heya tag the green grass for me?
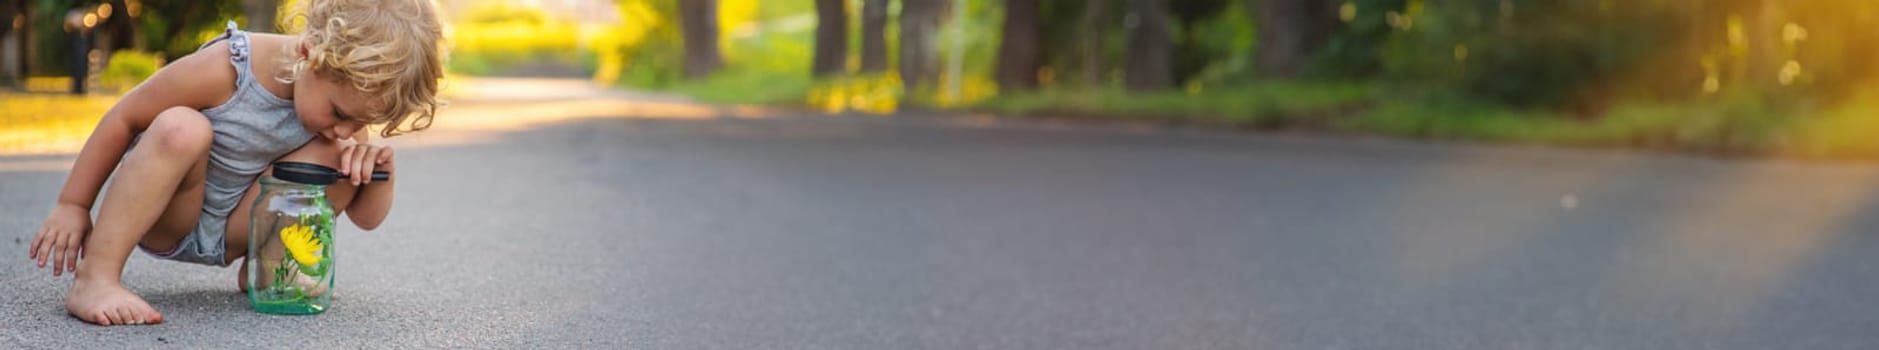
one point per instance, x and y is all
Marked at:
(748, 86)
(1271, 104)
(1627, 125)
(1733, 124)
(771, 69)
(1722, 125)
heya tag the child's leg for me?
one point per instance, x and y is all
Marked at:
(320, 151)
(169, 158)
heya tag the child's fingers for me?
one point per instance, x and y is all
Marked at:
(71, 255)
(32, 250)
(365, 171)
(348, 157)
(58, 247)
(362, 169)
(369, 161)
(344, 155)
(43, 252)
(345, 161)
(384, 155)
(45, 247)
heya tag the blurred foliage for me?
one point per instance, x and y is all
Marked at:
(1581, 55)
(1725, 75)
(48, 123)
(170, 28)
(128, 68)
(1264, 104)
(747, 85)
(1538, 54)
(496, 37)
(648, 49)
(877, 93)
(1221, 47)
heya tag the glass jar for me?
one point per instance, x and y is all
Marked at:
(290, 244)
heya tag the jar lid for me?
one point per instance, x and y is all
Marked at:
(315, 174)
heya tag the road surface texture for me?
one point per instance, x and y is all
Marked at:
(569, 219)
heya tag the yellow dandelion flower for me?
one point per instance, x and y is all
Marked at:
(302, 244)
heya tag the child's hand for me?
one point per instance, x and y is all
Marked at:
(62, 238)
(360, 159)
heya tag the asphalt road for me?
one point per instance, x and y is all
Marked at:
(719, 228)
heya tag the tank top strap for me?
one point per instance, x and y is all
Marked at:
(238, 51)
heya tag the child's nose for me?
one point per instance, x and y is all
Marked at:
(344, 130)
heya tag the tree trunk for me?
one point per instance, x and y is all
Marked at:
(874, 36)
(1150, 63)
(8, 10)
(1095, 22)
(123, 29)
(919, 47)
(699, 25)
(1290, 31)
(12, 42)
(1765, 59)
(261, 15)
(831, 54)
(1019, 53)
(185, 13)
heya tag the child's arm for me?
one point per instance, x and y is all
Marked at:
(189, 82)
(195, 81)
(372, 203)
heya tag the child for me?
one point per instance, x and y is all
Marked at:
(196, 136)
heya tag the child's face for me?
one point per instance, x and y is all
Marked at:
(330, 109)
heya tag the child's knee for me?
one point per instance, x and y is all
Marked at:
(179, 130)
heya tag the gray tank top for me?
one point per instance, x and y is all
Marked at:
(252, 129)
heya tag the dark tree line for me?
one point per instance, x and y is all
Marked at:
(1066, 38)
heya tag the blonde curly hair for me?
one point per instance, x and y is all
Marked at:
(392, 49)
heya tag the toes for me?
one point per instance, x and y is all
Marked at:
(100, 318)
(151, 316)
(124, 316)
(135, 314)
(112, 317)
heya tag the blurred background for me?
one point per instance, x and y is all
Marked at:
(1763, 77)
(1042, 174)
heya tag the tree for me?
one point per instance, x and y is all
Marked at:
(699, 19)
(919, 54)
(176, 21)
(873, 35)
(1094, 25)
(831, 52)
(11, 11)
(1191, 54)
(261, 14)
(1290, 31)
(1765, 60)
(1020, 52)
(1149, 63)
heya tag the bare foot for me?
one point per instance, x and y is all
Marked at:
(241, 277)
(108, 303)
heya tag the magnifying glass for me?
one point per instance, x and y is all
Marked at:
(315, 174)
